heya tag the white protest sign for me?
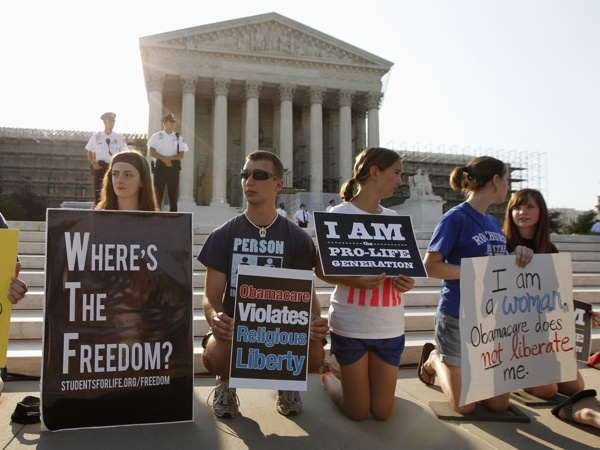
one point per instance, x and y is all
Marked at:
(517, 325)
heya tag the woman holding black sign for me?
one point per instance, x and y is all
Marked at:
(366, 314)
(465, 231)
(127, 184)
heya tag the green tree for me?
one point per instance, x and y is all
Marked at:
(582, 224)
(23, 205)
(555, 221)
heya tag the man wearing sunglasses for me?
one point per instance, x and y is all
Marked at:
(283, 244)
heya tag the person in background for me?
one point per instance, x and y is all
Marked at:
(302, 216)
(127, 184)
(282, 211)
(465, 231)
(168, 148)
(331, 205)
(596, 227)
(367, 337)
(272, 240)
(100, 148)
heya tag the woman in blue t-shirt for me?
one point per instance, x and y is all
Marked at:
(465, 231)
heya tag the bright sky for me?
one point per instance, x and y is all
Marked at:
(506, 77)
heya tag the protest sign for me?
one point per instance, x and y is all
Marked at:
(118, 346)
(367, 244)
(583, 329)
(9, 243)
(517, 325)
(272, 328)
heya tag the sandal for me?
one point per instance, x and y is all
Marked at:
(567, 405)
(425, 352)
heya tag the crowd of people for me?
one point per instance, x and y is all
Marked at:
(367, 338)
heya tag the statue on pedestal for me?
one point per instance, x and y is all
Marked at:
(419, 184)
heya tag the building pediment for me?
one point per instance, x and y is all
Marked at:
(269, 36)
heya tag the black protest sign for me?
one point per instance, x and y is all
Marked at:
(366, 244)
(118, 347)
(583, 329)
(272, 328)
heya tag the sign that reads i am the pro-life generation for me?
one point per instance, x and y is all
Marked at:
(118, 345)
(367, 244)
(517, 325)
(272, 328)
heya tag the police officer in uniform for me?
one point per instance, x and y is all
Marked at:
(167, 147)
(100, 148)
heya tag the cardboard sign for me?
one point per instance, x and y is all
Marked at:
(365, 244)
(9, 243)
(517, 325)
(272, 328)
(118, 347)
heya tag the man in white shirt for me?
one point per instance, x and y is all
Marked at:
(100, 148)
(168, 148)
(281, 210)
(302, 216)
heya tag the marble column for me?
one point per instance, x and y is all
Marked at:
(345, 138)
(252, 126)
(361, 129)
(154, 85)
(286, 130)
(373, 103)
(219, 154)
(188, 121)
(316, 139)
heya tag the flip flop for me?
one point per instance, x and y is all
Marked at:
(567, 405)
(425, 352)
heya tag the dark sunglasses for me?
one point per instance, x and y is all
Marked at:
(257, 174)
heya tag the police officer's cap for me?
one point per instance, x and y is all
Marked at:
(169, 117)
(108, 116)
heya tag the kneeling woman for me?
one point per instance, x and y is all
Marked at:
(366, 315)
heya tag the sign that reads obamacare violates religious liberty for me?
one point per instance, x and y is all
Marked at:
(118, 346)
(272, 328)
(367, 244)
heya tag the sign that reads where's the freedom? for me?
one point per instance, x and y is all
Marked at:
(118, 346)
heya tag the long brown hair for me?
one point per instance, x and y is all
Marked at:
(382, 158)
(146, 196)
(476, 174)
(541, 238)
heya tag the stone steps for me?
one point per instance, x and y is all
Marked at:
(26, 329)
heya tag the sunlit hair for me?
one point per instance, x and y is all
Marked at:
(382, 158)
(263, 155)
(146, 196)
(541, 238)
(476, 174)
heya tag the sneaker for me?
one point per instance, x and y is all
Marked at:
(288, 403)
(225, 400)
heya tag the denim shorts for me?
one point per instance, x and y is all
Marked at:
(349, 350)
(447, 338)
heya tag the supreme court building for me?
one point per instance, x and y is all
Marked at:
(263, 82)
